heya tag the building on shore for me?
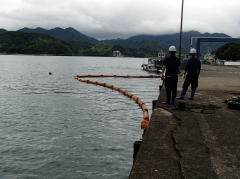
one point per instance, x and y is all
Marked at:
(117, 53)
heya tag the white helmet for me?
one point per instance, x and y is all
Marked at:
(172, 49)
(193, 51)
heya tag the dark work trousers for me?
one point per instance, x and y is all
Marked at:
(191, 79)
(171, 88)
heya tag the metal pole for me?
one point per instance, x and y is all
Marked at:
(180, 38)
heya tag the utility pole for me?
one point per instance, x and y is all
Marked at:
(180, 38)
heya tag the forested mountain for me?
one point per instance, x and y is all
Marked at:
(162, 42)
(68, 34)
(33, 43)
(148, 42)
(76, 43)
(2, 30)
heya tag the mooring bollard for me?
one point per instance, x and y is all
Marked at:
(136, 147)
(154, 102)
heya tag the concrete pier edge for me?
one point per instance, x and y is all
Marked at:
(198, 139)
(162, 159)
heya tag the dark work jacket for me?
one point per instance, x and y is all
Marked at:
(172, 64)
(193, 66)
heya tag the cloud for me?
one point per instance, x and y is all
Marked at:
(122, 18)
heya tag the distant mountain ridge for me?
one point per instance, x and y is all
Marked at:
(162, 42)
(68, 34)
(139, 45)
(150, 42)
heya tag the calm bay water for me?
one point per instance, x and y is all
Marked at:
(56, 127)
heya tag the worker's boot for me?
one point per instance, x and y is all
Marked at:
(192, 94)
(168, 96)
(184, 91)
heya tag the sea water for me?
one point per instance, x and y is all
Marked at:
(53, 126)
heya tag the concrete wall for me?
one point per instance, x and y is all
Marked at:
(232, 63)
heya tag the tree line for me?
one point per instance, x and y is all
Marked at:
(16, 42)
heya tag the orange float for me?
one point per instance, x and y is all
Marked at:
(134, 98)
(140, 103)
(145, 115)
(121, 90)
(144, 124)
(128, 94)
(145, 121)
(118, 89)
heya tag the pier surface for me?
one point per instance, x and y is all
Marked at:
(202, 141)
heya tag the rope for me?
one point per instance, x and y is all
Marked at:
(116, 76)
(145, 121)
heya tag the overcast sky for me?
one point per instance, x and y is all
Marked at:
(105, 19)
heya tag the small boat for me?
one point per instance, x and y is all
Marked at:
(154, 63)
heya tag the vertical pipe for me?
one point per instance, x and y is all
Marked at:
(191, 43)
(198, 48)
(180, 38)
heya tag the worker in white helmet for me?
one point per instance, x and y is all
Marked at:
(192, 70)
(171, 68)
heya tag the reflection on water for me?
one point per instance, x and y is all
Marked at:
(56, 127)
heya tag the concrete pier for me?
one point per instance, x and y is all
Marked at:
(199, 140)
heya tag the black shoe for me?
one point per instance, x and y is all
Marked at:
(191, 98)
